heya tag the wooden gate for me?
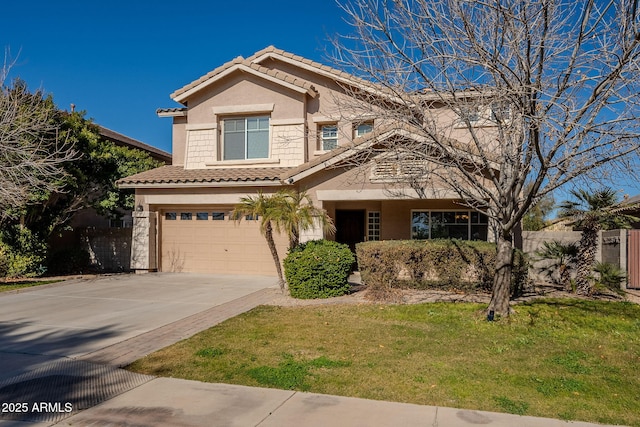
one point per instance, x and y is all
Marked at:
(633, 259)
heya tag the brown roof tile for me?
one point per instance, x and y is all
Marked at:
(180, 175)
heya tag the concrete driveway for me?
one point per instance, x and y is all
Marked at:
(64, 332)
(82, 316)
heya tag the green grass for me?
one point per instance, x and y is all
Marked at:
(10, 286)
(568, 359)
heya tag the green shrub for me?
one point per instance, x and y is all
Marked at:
(24, 252)
(443, 264)
(4, 261)
(318, 269)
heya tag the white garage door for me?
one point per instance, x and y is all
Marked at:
(205, 240)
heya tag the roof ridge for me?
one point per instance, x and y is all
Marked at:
(280, 75)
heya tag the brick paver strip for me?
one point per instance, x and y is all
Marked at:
(126, 352)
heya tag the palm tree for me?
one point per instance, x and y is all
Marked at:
(265, 209)
(298, 214)
(285, 211)
(590, 213)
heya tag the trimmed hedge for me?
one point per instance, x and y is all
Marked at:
(443, 264)
(318, 269)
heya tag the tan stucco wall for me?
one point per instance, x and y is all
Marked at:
(178, 141)
(245, 89)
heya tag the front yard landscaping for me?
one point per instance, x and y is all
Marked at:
(6, 286)
(561, 358)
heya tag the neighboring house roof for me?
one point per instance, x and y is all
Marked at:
(123, 140)
(631, 200)
(169, 175)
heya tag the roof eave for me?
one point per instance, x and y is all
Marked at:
(160, 113)
(209, 184)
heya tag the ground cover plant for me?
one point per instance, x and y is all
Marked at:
(568, 359)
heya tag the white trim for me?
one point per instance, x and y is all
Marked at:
(202, 126)
(286, 122)
(244, 109)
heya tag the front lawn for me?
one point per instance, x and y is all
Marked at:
(568, 359)
(10, 286)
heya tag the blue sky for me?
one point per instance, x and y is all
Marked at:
(119, 60)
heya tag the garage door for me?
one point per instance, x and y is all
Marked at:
(206, 240)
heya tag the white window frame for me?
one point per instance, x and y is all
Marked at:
(358, 132)
(322, 139)
(246, 136)
(373, 226)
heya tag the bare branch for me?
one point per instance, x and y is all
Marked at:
(31, 149)
(540, 93)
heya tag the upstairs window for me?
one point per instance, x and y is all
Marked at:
(363, 129)
(469, 113)
(246, 138)
(500, 111)
(328, 137)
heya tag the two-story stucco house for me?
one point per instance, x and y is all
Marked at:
(267, 122)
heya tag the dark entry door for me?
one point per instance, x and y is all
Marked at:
(350, 227)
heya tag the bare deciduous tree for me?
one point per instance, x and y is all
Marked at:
(31, 151)
(500, 101)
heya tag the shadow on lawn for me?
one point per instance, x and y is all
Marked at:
(591, 307)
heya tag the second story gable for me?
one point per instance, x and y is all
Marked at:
(273, 109)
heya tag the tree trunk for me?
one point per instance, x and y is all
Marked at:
(268, 234)
(586, 258)
(502, 280)
(294, 239)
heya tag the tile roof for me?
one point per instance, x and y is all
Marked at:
(343, 75)
(180, 175)
(175, 110)
(238, 62)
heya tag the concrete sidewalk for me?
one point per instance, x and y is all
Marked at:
(174, 402)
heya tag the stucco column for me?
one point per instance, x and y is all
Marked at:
(143, 242)
(315, 233)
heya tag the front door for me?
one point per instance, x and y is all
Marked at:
(350, 227)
